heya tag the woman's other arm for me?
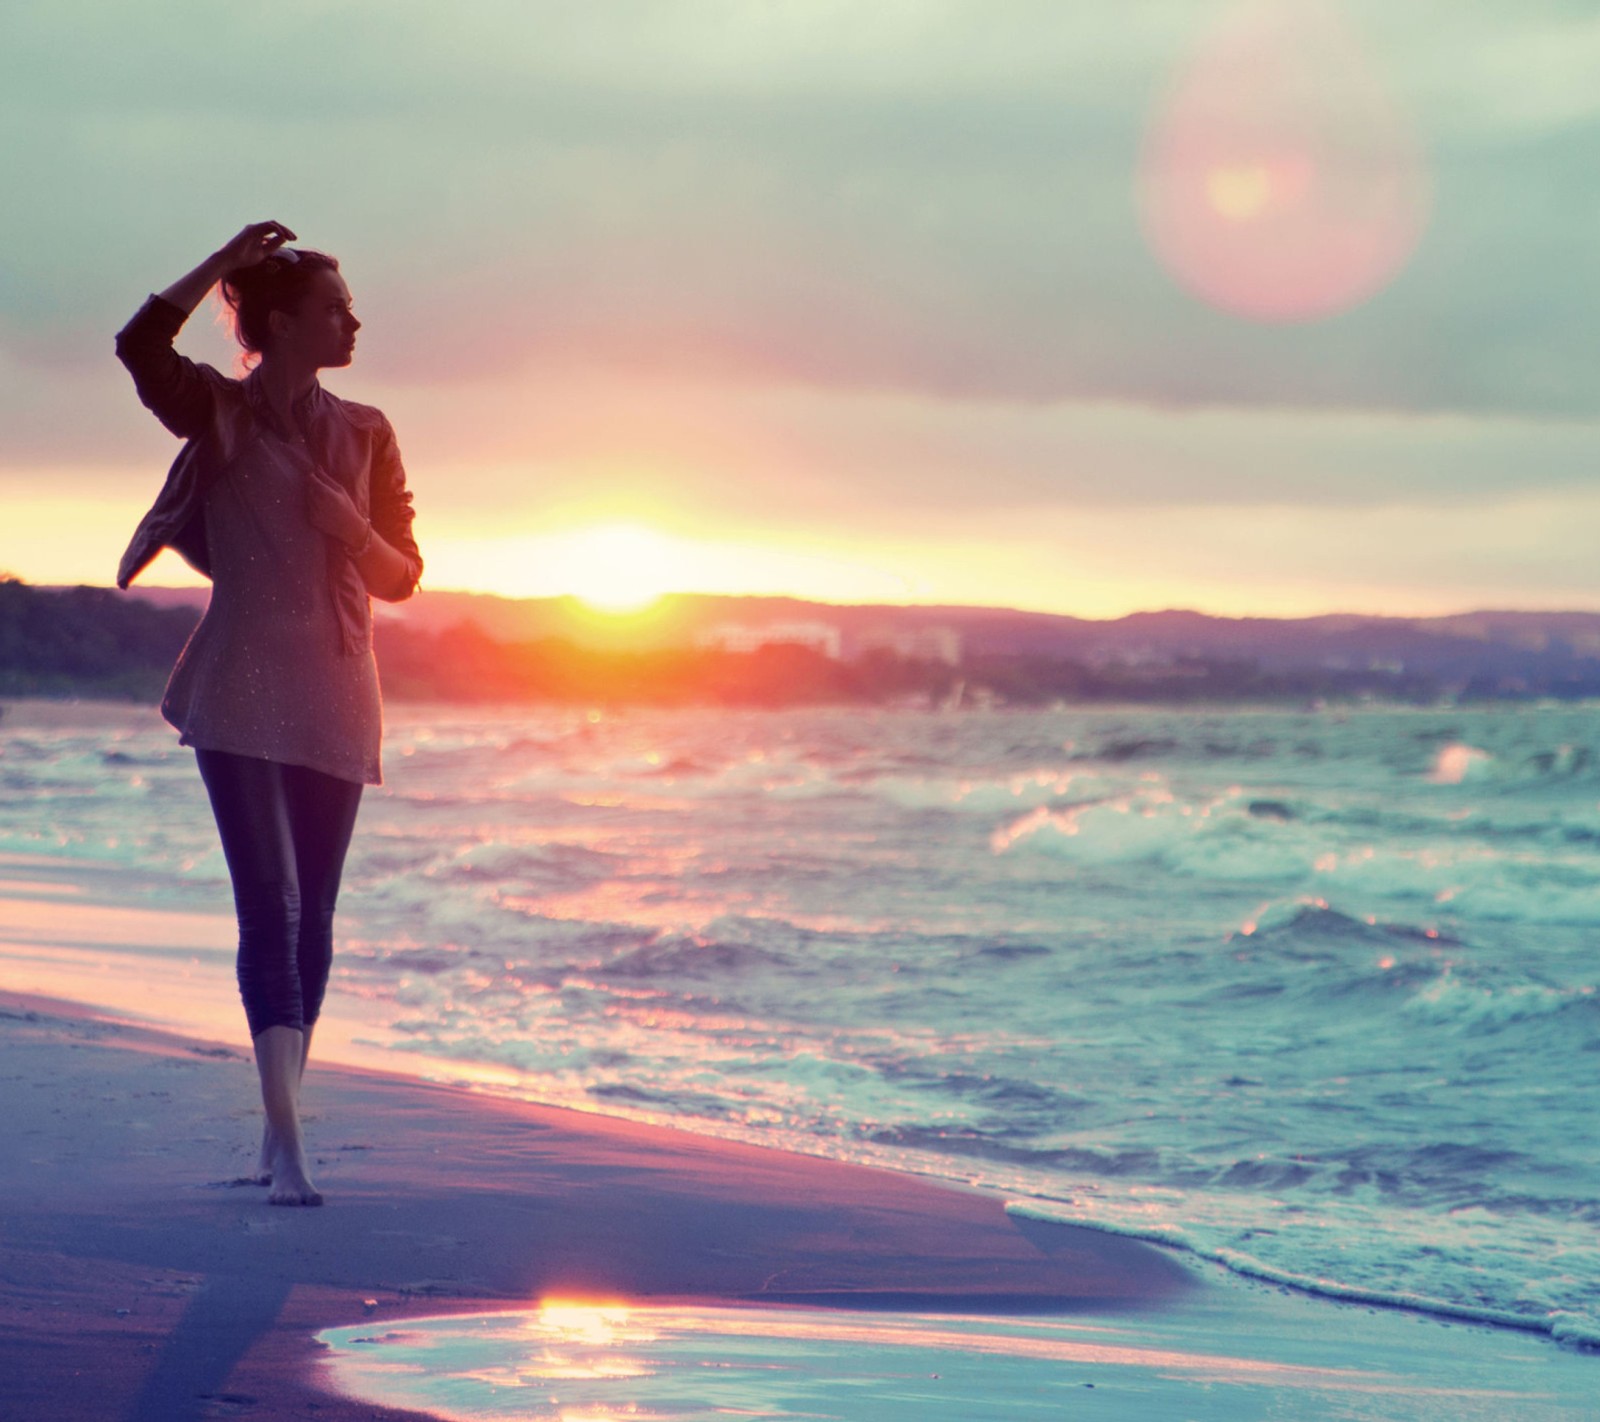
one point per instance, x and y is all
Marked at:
(382, 547)
(391, 522)
(385, 571)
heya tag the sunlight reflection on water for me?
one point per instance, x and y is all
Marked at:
(606, 1362)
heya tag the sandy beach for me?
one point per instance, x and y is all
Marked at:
(140, 1279)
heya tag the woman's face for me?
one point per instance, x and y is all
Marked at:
(321, 330)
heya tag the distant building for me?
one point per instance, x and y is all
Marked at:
(1140, 657)
(746, 637)
(924, 644)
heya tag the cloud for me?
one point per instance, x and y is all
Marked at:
(808, 260)
(912, 462)
(928, 198)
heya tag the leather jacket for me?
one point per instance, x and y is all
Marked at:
(219, 418)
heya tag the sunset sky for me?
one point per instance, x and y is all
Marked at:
(1276, 308)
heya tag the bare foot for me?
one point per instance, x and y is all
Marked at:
(264, 1161)
(280, 1058)
(291, 1180)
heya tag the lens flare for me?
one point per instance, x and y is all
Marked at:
(1280, 181)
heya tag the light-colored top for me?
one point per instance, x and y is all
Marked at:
(267, 673)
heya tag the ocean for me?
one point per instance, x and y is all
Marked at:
(1309, 994)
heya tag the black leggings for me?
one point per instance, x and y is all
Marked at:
(285, 830)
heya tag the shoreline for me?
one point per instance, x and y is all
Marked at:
(168, 1292)
(171, 1289)
(89, 925)
(138, 1281)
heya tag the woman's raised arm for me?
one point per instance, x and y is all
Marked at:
(254, 243)
(176, 390)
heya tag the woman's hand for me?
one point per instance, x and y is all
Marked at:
(383, 571)
(332, 511)
(254, 244)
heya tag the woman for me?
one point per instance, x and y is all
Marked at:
(294, 503)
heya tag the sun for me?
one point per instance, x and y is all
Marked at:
(620, 567)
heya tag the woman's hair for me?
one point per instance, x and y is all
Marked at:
(278, 283)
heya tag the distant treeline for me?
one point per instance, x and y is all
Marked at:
(94, 642)
(464, 664)
(86, 642)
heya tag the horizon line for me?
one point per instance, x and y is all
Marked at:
(592, 610)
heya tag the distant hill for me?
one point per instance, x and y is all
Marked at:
(702, 650)
(677, 618)
(86, 642)
(1499, 645)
